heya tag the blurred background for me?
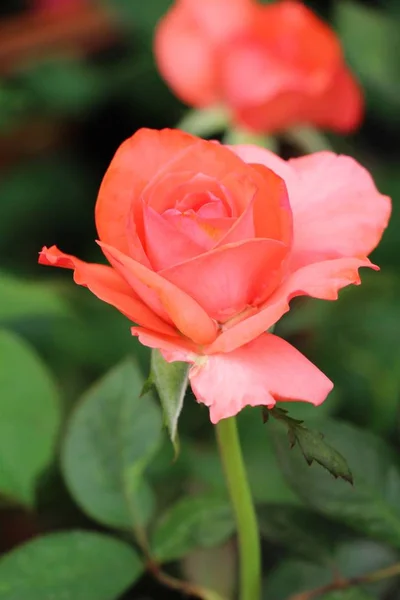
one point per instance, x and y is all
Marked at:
(77, 77)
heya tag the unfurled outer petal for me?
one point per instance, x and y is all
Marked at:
(105, 283)
(172, 348)
(258, 374)
(188, 316)
(337, 210)
(261, 373)
(319, 280)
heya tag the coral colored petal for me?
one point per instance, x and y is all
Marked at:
(135, 163)
(109, 286)
(261, 156)
(188, 316)
(220, 19)
(228, 279)
(337, 210)
(184, 190)
(252, 76)
(185, 58)
(172, 348)
(272, 211)
(292, 32)
(242, 229)
(319, 280)
(210, 159)
(165, 245)
(341, 107)
(266, 370)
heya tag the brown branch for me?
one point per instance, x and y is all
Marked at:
(185, 587)
(31, 35)
(342, 584)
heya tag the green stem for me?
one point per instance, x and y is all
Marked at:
(242, 502)
(308, 139)
(204, 122)
(239, 135)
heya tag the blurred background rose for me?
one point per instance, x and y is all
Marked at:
(77, 78)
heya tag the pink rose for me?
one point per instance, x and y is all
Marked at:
(207, 246)
(271, 66)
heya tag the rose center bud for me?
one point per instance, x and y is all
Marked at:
(202, 217)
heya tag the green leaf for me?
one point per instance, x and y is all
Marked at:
(313, 446)
(373, 505)
(112, 435)
(170, 380)
(192, 523)
(20, 298)
(77, 565)
(351, 559)
(30, 418)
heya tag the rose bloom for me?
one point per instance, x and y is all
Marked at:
(208, 244)
(272, 66)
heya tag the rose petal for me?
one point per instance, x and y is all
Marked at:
(242, 228)
(165, 244)
(266, 370)
(337, 210)
(292, 32)
(319, 280)
(341, 107)
(236, 181)
(189, 317)
(210, 14)
(251, 154)
(109, 286)
(207, 233)
(185, 58)
(182, 189)
(212, 161)
(262, 372)
(272, 212)
(252, 76)
(226, 280)
(172, 348)
(135, 163)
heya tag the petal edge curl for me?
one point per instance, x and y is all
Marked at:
(105, 283)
